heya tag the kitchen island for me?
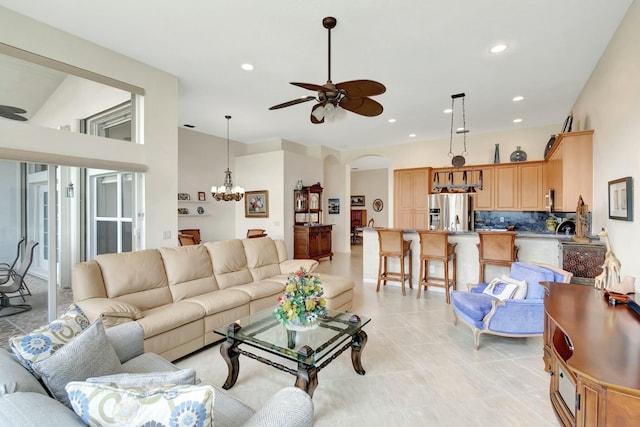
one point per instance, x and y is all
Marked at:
(533, 247)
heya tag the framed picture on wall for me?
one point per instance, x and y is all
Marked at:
(202, 196)
(357, 200)
(256, 204)
(334, 206)
(621, 199)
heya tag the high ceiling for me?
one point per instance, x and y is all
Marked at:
(423, 51)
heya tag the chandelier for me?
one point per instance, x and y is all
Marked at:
(227, 192)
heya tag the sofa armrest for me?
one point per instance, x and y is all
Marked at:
(112, 312)
(289, 407)
(127, 340)
(477, 289)
(291, 265)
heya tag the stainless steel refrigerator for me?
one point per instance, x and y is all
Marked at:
(450, 211)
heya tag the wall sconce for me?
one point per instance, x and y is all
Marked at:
(70, 191)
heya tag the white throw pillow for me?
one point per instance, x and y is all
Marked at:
(500, 289)
(521, 292)
(104, 405)
(43, 342)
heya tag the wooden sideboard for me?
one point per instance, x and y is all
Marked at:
(592, 352)
(312, 241)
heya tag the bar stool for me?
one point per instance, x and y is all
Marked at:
(435, 246)
(393, 245)
(496, 248)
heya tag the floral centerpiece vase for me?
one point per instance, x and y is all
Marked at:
(302, 305)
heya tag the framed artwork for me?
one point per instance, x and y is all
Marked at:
(357, 200)
(621, 199)
(334, 206)
(256, 204)
(202, 196)
(377, 205)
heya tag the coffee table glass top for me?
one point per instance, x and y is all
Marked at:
(263, 331)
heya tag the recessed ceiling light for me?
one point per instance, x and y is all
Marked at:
(499, 48)
(391, 120)
(247, 67)
(412, 135)
(517, 120)
(518, 98)
(447, 111)
(459, 129)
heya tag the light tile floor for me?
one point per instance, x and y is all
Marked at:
(421, 369)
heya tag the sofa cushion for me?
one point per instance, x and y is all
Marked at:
(104, 405)
(189, 271)
(44, 341)
(474, 305)
(137, 278)
(262, 258)
(262, 289)
(148, 362)
(229, 263)
(87, 355)
(13, 376)
(86, 281)
(533, 274)
(26, 409)
(334, 286)
(148, 379)
(221, 300)
(167, 317)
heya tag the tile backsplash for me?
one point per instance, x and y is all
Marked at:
(535, 222)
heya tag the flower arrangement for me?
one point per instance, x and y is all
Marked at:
(302, 302)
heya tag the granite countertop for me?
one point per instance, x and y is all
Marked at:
(522, 234)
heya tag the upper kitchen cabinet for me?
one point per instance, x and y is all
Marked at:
(530, 180)
(411, 187)
(511, 187)
(568, 170)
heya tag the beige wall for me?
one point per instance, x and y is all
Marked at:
(373, 184)
(610, 105)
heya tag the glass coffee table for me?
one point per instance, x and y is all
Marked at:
(312, 350)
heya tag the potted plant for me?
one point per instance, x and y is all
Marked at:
(302, 303)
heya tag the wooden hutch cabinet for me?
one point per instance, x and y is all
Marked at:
(311, 239)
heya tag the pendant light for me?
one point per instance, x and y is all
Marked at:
(459, 160)
(227, 191)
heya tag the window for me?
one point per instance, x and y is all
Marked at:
(112, 213)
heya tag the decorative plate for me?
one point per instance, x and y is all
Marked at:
(377, 205)
(200, 210)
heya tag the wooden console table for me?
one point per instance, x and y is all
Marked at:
(592, 352)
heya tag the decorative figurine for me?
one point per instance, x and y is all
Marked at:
(610, 276)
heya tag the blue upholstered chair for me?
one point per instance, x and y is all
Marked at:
(486, 314)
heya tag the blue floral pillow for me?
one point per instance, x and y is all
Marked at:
(178, 405)
(41, 343)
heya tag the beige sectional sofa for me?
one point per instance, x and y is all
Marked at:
(180, 295)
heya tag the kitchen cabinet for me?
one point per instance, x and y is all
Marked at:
(411, 187)
(484, 199)
(312, 241)
(569, 170)
(506, 184)
(530, 186)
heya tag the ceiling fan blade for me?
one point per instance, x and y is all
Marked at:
(361, 88)
(310, 86)
(363, 106)
(13, 113)
(293, 102)
(313, 118)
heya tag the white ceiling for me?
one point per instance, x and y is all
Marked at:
(423, 51)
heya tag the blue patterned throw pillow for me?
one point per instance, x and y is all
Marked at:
(41, 343)
(178, 405)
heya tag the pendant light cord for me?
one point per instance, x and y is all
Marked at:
(228, 118)
(464, 125)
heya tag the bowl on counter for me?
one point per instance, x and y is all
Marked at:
(567, 227)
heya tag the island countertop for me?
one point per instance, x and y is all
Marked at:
(533, 247)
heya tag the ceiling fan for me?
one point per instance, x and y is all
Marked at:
(13, 113)
(351, 95)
